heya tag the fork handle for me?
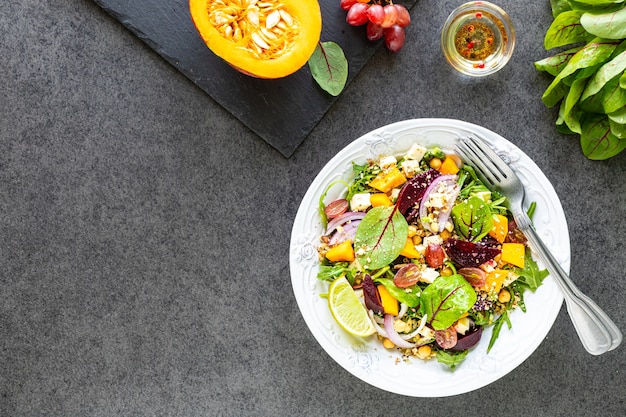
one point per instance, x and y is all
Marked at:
(595, 329)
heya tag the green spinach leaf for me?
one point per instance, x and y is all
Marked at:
(607, 72)
(380, 237)
(446, 300)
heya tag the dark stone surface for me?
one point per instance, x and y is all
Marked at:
(283, 111)
(144, 231)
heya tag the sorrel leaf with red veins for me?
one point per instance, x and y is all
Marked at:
(472, 219)
(380, 237)
(329, 67)
(446, 300)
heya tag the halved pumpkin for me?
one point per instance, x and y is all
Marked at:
(262, 38)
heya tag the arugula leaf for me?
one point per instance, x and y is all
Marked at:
(380, 237)
(446, 300)
(497, 326)
(452, 359)
(408, 296)
(329, 67)
(331, 272)
(364, 174)
(472, 219)
(531, 276)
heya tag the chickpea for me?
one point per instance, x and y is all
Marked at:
(412, 230)
(504, 296)
(446, 271)
(388, 344)
(435, 163)
(423, 352)
(445, 234)
(416, 239)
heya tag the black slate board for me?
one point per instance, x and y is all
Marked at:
(282, 112)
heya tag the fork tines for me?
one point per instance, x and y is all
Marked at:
(482, 158)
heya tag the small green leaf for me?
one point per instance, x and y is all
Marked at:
(531, 276)
(596, 6)
(559, 6)
(380, 237)
(606, 25)
(613, 97)
(606, 72)
(596, 139)
(618, 129)
(472, 219)
(565, 29)
(450, 358)
(555, 63)
(619, 116)
(408, 296)
(594, 53)
(446, 300)
(329, 67)
(571, 113)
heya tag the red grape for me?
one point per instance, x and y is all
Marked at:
(346, 4)
(394, 38)
(391, 16)
(357, 15)
(374, 32)
(404, 18)
(376, 14)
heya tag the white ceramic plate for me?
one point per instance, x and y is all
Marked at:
(366, 358)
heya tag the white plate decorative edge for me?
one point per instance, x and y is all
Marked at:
(367, 359)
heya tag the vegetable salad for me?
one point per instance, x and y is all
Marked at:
(433, 254)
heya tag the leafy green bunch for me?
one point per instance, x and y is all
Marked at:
(589, 73)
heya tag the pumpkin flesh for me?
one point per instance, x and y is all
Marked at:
(262, 38)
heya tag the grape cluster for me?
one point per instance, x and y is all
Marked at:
(383, 18)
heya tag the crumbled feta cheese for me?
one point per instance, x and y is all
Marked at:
(394, 194)
(429, 275)
(410, 167)
(416, 152)
(360, 202)
(387, 161)
(432, 240)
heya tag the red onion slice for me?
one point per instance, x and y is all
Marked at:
(347, 232)
(449, 181)
(394, 336)
(344, 218)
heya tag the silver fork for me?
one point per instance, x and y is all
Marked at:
(595, 329)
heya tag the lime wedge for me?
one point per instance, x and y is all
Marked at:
(347, 309)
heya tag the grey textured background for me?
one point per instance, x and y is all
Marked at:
(144, 231)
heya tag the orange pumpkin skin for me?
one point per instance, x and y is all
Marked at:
(297, 33)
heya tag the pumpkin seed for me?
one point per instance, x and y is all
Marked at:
(272, 19)
(262, 27)
(258, 39)
(286, 17)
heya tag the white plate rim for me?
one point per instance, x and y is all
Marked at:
(367, 359)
